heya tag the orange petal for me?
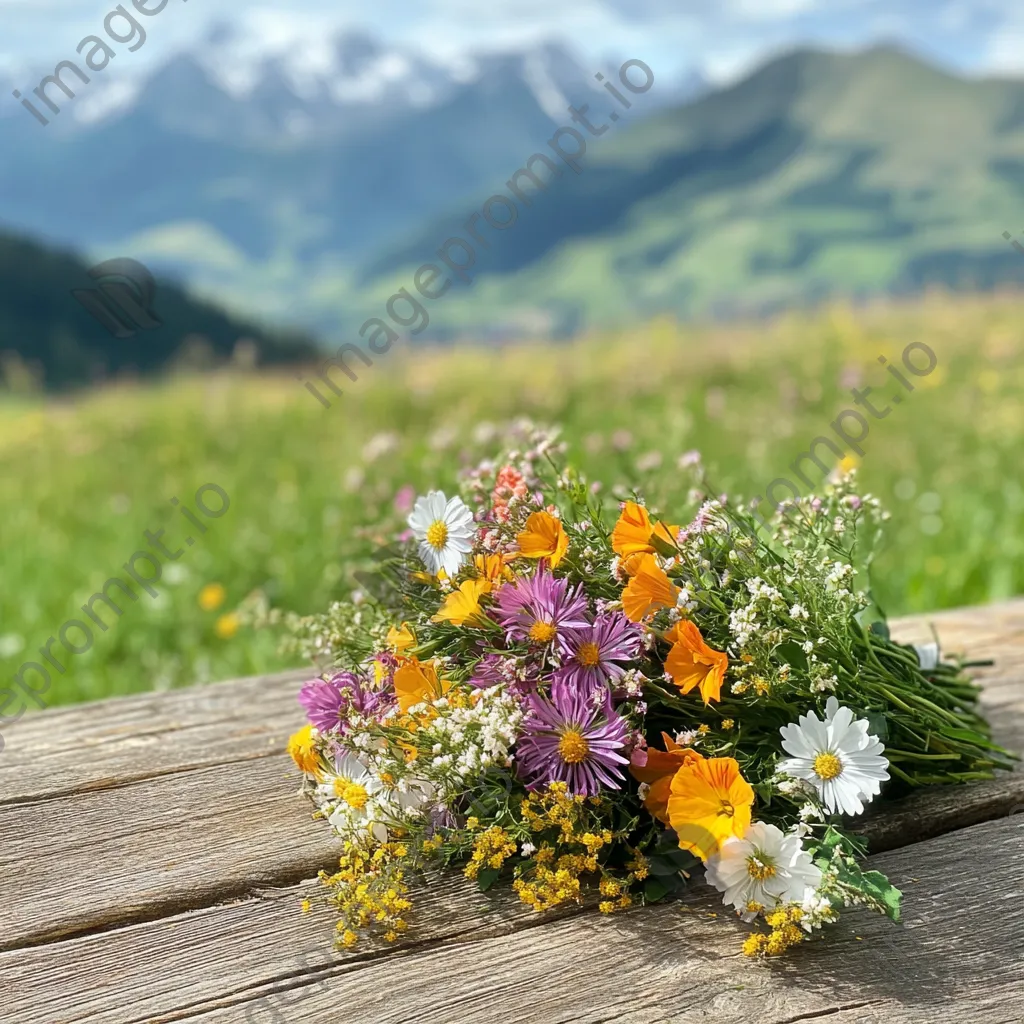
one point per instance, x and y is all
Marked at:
(544, 537)
(634, 531)
(649, 590)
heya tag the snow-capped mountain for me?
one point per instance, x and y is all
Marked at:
(240, 158)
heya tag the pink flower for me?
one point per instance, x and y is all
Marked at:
(404, 498)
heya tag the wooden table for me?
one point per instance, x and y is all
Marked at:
(154, 854)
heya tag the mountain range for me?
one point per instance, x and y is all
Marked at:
(307, 191)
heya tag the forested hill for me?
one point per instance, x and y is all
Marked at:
(47, 335)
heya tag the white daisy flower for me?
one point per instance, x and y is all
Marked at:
(352, 797)
(444, 527)
(766, 867)
(837, 756)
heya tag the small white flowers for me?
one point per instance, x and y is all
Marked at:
(444, 527)
(837, 756)
(766, 867)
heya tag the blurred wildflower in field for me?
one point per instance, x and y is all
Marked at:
(212, 596)
(227, 626)
(10, 645)
(404, 498)
(175, 573)
(380, 444)
(649, 461)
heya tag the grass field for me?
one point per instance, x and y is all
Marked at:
(312, 488)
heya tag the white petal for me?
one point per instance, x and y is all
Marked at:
(796, 743)
(451, 559)
(430, 558)
(437, 504)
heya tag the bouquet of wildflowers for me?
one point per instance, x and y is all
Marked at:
(585, 699)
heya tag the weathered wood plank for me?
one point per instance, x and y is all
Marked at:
(152, 848)
(261, 961)
(137, 841)
(958, 960)
(123, 740)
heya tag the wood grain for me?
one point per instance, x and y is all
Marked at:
(259, 960)
(122, 740)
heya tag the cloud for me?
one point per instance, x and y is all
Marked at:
(718, 37)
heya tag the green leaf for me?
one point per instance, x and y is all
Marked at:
(487, 878)
(875, 887)
(885, 892)
(655, 889)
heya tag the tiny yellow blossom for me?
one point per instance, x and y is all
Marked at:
(227, 626)
(212, 596)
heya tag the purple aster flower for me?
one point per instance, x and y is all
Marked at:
(591, 655)
(536, 608)
(324, 702)
(328, 704)
(488, 671)
(570, 739)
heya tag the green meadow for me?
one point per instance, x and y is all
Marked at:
(312, 490)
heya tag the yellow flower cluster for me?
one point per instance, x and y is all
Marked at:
(558, 864)
(554, 880)
(785, 932)
(490, 850)
(369, 890)
(554, 808)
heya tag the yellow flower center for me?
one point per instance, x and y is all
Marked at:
(727, 809)
(759, 870)
(437, 534)
(589, 655)
(572, 747)
(542, 632)
(827, 766)
(352, 793)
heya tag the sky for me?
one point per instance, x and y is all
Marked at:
(721, 39)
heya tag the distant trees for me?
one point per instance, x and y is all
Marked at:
(48, 339)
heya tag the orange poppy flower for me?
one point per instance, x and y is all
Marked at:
(659, 771)
(709, 801)
(416, 682)
(463, 605)
(629, 564)
(634, 531)
(544, 537)
(692, 663)
(648, 590)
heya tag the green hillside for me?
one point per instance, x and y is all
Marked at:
(821, 174)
